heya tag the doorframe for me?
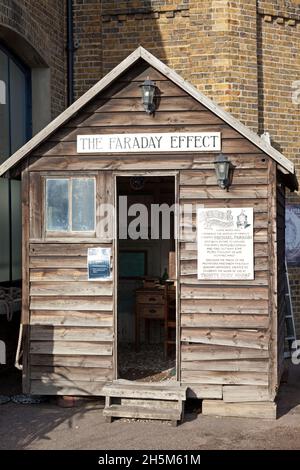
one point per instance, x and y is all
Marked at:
(147, 173)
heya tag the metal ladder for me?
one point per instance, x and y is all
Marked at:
(289, 316)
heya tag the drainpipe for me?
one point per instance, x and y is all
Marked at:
(10, 229)
(70, 53)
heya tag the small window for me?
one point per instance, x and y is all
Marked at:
(70, 205)
(132, 264)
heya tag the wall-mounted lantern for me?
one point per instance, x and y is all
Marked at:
(222, 167)
(137, 182)
(148, 94)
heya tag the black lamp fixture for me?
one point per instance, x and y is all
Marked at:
(137, 182)
(148, 93)
(222, 167)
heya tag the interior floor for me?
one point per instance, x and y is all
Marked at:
(149, 364)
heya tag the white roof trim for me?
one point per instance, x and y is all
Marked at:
(140, 52)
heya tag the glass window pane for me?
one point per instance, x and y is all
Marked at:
(2, 92)
(57, 205)
(17, 106)
(16, 229)
(4, 231)
(83, 204)
(4, 108)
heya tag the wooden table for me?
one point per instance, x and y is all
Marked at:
(151, 304)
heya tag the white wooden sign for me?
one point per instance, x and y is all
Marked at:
(225, 243)
(167, 142)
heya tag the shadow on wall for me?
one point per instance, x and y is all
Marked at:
(289, 392)
(131, 24)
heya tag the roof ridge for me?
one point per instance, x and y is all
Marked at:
(285, 165)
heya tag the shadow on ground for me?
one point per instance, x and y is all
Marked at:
(49, 426)
(289, 393)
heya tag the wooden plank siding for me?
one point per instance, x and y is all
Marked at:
(25, 320)
(119, 110)
(273, 281)
(225, 326)
(280, 217)
(71, 319)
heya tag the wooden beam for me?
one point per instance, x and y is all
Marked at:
(204, 391)
(140, 52)
(25, 319)
(245, 393)
(264, 410)
(272, 235)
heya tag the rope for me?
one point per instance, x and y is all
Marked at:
(19, 353)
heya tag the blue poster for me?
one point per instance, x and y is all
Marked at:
(99, 264)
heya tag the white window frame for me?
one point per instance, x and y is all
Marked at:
(69, 232)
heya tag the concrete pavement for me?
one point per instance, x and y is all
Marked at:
(49, 426)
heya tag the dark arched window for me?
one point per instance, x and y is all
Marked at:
(15, 104)
(15, 130)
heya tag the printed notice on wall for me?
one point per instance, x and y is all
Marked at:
(225, 243)
(99, 262)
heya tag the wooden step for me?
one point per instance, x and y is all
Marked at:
(166, 384)
(145, 391)
(158, 404)
(142, 412)
(127, 399)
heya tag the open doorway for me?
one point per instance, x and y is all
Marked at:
(146, 283)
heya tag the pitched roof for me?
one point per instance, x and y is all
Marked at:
(285, 165)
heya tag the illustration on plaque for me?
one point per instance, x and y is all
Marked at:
(242, 220)
(217, 218)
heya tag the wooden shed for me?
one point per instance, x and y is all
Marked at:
(205, 304)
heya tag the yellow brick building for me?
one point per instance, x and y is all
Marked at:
(242, 54)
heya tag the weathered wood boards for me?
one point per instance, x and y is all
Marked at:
(156, 401)
(71, 319)
(224, 377)
(66, 387)
(197, 352)
(264, 410)
(281, 282)
(225, 325)
(25, 280)
(226, 328)
(245, 393)
(142, 163)
(226, 337)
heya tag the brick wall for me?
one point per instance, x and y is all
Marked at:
(40, 26)
(162, 27)
(279, 101)
(223, 55)
(200, 40)
(88, 45)
(279, 69)
(242, 54)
